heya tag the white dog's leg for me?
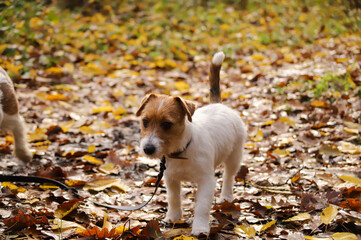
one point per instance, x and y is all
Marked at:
(231, 167)
(174, 212)
(204, 198)
(15, 124)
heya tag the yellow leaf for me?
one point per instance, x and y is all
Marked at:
(268, 225)
(299, 217)
(318, 103)
(93, 69)
(99, 185)
(183, 237)
(302, 17)
(270, 122)
(181, 86)
(108, 168)
(121, 229)
(13, 186)
(344, 236)
(92, 159)
(9, 139)
(249, 231)
(56, 97)
(316, 238)
(91, 149)
(281, 152)
(103, 109)
(225, 27)
(226, 94)
(353, 180)
(170, 63)
(68, 67)
(347, 147)
(351, 130)
(54, 70)
(35, 22)
(328, 214)
(286, 120)
(258, 57)
(341, 60)
(118, 93)
(258, 137)
(119, 111)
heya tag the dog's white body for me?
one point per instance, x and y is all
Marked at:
(218, 135)
(202, 139)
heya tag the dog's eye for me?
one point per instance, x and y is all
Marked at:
(166, 125)
(145, 123)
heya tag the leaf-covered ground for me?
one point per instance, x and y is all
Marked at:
(292, 70)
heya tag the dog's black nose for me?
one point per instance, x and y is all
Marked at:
(149, 149)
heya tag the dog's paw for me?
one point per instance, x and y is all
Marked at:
(173, 216)
(228, 198)
(24, 154)
(197, 230)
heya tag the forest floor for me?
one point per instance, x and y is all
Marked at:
(292, 72)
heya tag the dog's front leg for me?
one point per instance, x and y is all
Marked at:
(205, 194)
(174, 212)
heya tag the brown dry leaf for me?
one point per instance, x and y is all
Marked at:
(67, 207)
(99, 233)
(64, 225)
(99, 185)
(328, 214)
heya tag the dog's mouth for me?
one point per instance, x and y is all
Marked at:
(150, 148)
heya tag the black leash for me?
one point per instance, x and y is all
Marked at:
(34, 179)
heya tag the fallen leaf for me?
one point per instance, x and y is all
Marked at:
(99, 185)
(268, 225)
(328, 214)
(248, 230)
(351, 179)
(258, 137)
(344, 236)
(349, 148)
(299, 217)
(92, 160)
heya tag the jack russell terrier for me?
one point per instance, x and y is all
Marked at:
(10, 119)
(195, 142)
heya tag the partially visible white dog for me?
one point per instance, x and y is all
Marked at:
(195, 142)
(10, 119)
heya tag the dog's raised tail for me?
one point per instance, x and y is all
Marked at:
(215, 93)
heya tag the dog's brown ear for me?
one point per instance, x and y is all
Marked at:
(188, 106)
(144, 102)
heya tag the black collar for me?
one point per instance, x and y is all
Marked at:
(176, 154)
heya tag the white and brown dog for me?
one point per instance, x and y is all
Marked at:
(10, 119)
(195, 142)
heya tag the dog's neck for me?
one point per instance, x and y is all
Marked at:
(184, 141)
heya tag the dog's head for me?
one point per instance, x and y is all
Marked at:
(163, 120)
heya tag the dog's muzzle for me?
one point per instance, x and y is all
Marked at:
(149, 149)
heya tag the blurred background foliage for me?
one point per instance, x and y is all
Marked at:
(178, 30)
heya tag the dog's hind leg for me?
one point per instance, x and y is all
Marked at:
(231, 167)
(15, 124)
